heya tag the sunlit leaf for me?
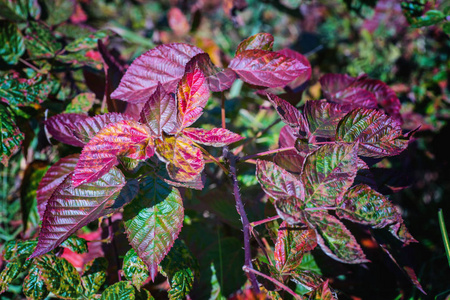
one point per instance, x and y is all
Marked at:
(94, 276)
(153, 221)
(266, 68)
(192, 97)
(164, 64)
(134, 269)
(292, 243)
(378, 134)
(262, 41)
(124, 138)
(11, 138)
(70, 208)
(184, 161)
(52, 179)
(305, 75)
(60, 127)
(327, 174)
(335, 239)
(40, 41)
(33, 285)
(363, 205)
(18, 249)
(12, 44)
(307, 279)
(323, 117)
(160, 112)
(87, 128)
(290, 209)
(60, 277)
(217, 137)
(217, 79)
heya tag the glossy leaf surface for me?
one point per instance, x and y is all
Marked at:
(12, 44)
(305, 75)
(288, 113)
(54, 177)
(134, 269)
(164, 64)
(266, 68)
(363, 205)
(71, 208)
(192, 97)
(60, 127)
(160, 112)
(94, 276)
(119, 291)
(10, 136)
(335, 239)
(323, 117)
(327, 173)
(217, 137)
(18, 91)
(153, 221)
(124, 138)
(261, 41)
(184, 161)
(378, 134)
(33, 285)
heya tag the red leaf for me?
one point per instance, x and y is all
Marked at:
(291, 160)
(71, 208)
(178, 21)
(261, 41)
(192, 96)
(323, 117)
(164, 64)
(218, 79)
(288, 113)
(87, 128)
(183, 161)
(217, 137)
(305, 75)
(266, 68)
(53, 179)
(160, 112)
(61, 128)
(125, 138)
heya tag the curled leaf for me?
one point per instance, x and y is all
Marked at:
(262, 41)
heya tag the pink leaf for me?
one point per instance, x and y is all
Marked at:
(291, 160)
(164, 64)
(53, 179)
(125, 138)
(61, 128)
(192, 96)
(288, 113)
(266, 68)
(305, 75)
(217, 137)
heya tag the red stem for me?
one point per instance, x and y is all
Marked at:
(224, 126)
(270, 219)
(266, 153)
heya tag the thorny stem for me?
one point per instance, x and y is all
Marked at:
(270, 219)
(246, 225)
(274, 281)
(266, 153)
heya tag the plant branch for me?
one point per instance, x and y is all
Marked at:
(274, 281)
(270, 219)
(222, 108)
(246, 225)
(211, 157)
(32, 66)
(266, 153)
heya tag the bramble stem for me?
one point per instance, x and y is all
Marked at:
(270, 219)
(241, 211)
(266, 153)
(274, 281)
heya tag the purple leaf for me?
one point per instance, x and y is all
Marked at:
(217, 137)
(335, 239)
(53, 179)
(261, 41)
(291, 160)
(305, 75)
(400, 231)
(160, 112)
(266, 68)
(87, 128)
(323, 117)
(288, 113)
(71, 208)
(61, 128)
(218, 79)
(164, 64)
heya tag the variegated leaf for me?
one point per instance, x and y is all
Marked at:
(60, 127)
(262, 41)
(217, 137)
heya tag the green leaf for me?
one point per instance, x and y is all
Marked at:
(18, 91)
(34, 286)
(75, 244)
(431, 17)
(363, 205)
(323, 117)
(216, 291)
(122, 290)
(11, 271)
(88, 41)
(153, 220)
(18, 10)
(40, 41)
(82, 103)
(180, 266)
(12, 44)
(94, 276)
(134, 269)
(335, 239)
(58, 11)
(327, 174)
(446, 27)
(378, 134)
(18, 249)
(61, 278)
(11, 138)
